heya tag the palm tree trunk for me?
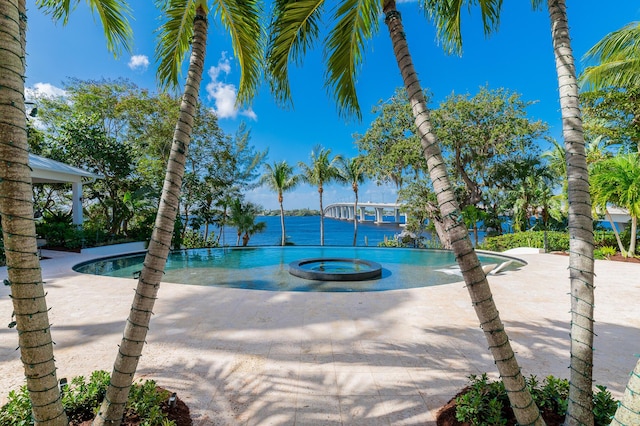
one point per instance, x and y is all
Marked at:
(284, 233)
(580, 408)
(524, 407)
(634, 233)
(355, 219)
(321, 217)
(628, 412)
(18, 226)
(130, 350)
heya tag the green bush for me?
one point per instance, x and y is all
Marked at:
(556, 241)
(194, 239)
(604, 252)
(486, 403)
(81, 400)
(58, 230)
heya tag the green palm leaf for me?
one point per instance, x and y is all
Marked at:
(618, 54)
(446, 15)
(357, 21)
(242, 19)
(294, 28)
(114, 15)
(174, 39)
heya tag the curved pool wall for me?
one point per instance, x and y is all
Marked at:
(267, 268)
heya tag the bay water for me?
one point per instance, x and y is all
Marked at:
(305, 231)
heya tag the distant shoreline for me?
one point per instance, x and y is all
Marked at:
(294, 212)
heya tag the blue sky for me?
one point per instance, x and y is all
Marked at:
(519, 57)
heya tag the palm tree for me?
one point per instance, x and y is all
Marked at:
(280, 178)
(186, 25)
(617, 181)
(352, 171)
(618, 57)
(580, 407)
(321, 170)
(16, 204)
(294, 27)
(243, 217)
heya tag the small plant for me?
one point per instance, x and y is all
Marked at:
(482, 404)
(604, 252)
(604, 406)
(81, 400)
(485, 403)
(17, 412)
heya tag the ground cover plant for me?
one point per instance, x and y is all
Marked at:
(147, 405)
(484, 403)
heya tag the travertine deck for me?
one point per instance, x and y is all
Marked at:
(391, 358)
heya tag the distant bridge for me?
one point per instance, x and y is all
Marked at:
(346, 211)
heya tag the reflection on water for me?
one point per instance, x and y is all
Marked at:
(266, 268)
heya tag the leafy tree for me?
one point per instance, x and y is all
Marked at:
(617, 181)
(16, 205)
(480, 131)
(352, 172)
(90, 128)
(322, 169)
(613, 114)
(280, 178)
(185, 25)
(294, 27)
(390, 148)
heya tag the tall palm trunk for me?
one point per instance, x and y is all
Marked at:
(130, 350)
(580, 409)
(355, 215)
(284, 233)
(320, 191)
(18, 226)
(524, 407)
(634, 233)
(628, 412)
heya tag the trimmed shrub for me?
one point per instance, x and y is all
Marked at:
(556, 241)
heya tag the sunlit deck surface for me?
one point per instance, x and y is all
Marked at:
(254, 357)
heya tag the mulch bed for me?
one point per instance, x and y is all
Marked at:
(179, 413)
(616, 257)
(447, 415)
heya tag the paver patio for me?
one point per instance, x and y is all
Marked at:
(248, 357)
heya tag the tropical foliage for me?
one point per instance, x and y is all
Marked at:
(321, 170)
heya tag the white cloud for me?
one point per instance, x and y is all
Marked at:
(139, 62)
(225, 94)
(46, 90)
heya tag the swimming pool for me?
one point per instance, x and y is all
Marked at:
(267, 268)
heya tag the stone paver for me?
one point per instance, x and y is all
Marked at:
(247, 357)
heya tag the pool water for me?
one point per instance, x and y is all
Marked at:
(267, 268)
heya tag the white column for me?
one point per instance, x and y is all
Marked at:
(362, 217)
(379, 214)
(76, 190)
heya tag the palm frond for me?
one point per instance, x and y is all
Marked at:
(174, 39)
(357, 21)
(114, 15)
(618, 60)
(242, 18)
(294, 28)
(447, 17)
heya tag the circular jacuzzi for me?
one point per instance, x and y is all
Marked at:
(335, 269)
